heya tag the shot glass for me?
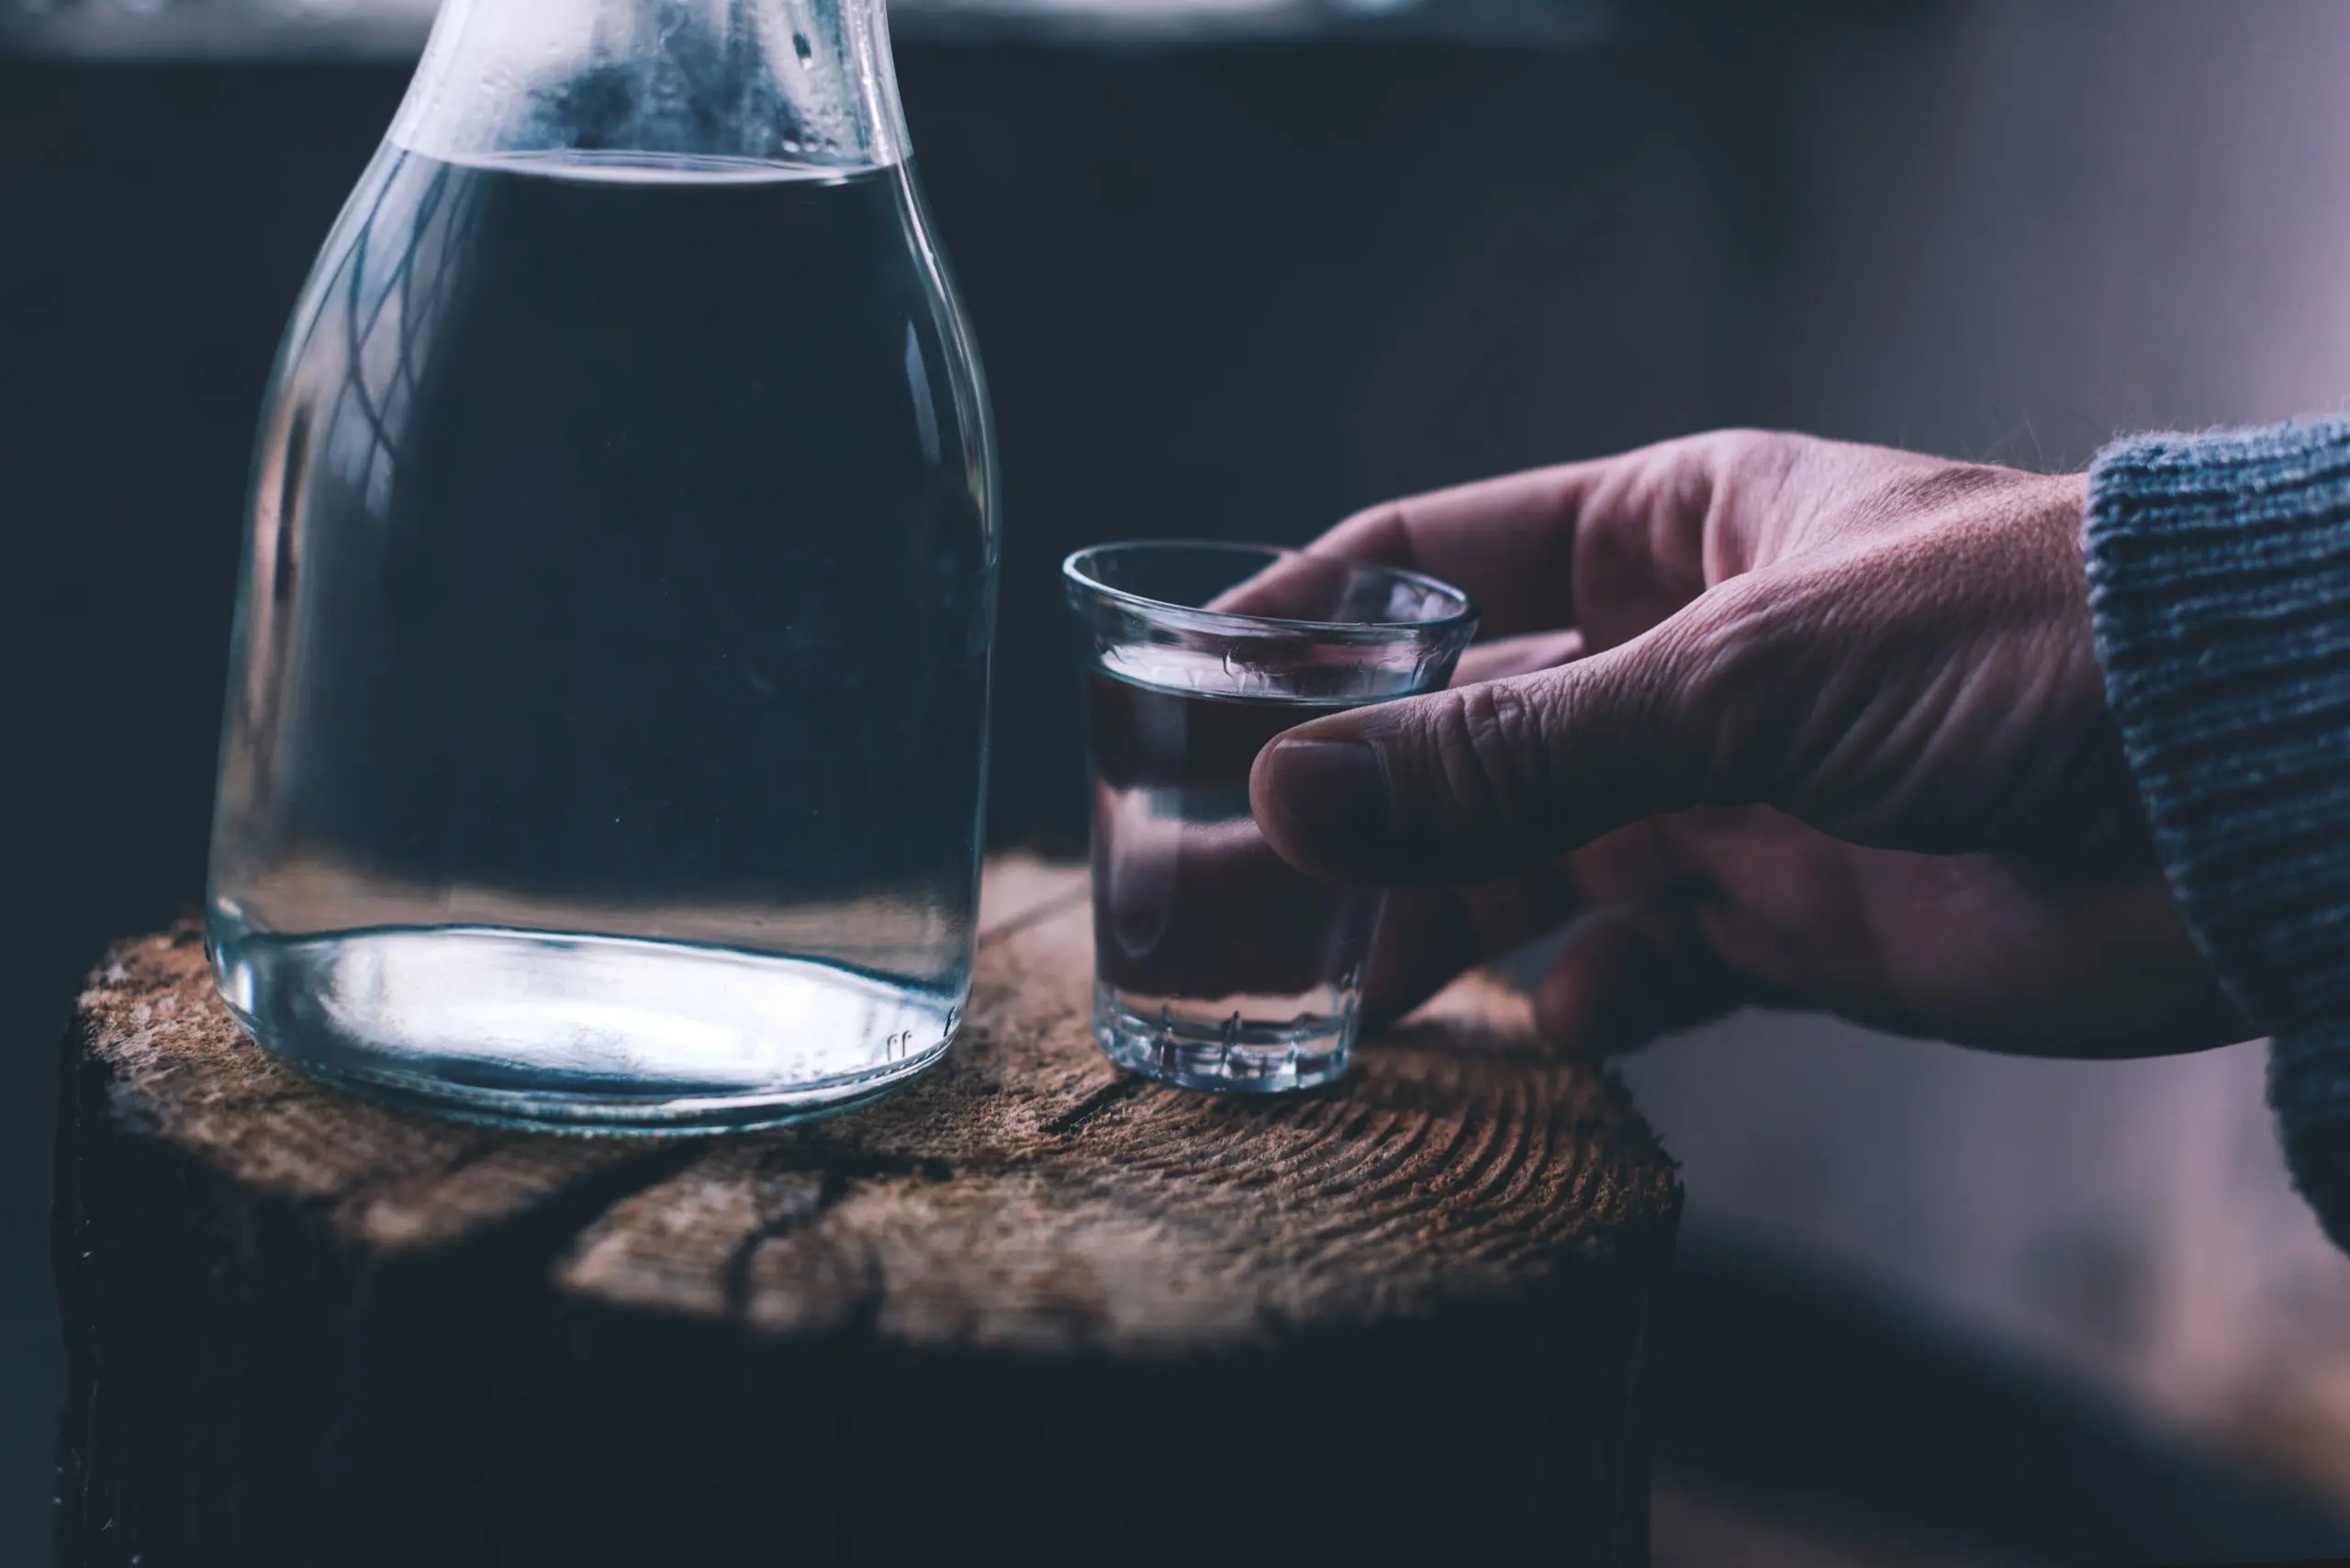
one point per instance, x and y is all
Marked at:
(1216, 965)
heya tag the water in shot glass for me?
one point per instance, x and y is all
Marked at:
(1216, 965)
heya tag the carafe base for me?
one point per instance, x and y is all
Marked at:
(581, 1034)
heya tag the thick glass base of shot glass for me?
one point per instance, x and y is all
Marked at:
(564, 1033)
(1234, 1057)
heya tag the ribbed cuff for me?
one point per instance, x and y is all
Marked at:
(2219, 574)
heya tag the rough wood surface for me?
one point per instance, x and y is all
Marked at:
(290, 1311)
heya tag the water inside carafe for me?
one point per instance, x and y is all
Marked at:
(605, 734)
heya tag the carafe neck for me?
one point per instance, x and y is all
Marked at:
(805, 84)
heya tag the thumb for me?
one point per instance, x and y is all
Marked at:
(1478, 780)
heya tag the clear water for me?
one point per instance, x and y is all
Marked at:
(605, 733)
(1216, 965)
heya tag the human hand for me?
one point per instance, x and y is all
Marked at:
(1784, 720)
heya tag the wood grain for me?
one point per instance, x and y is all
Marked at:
(290, 1311)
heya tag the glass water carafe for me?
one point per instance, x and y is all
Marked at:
(608, 698)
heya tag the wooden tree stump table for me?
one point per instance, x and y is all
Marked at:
(1028, 1308)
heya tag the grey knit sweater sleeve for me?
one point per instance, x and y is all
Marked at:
(2219, 581)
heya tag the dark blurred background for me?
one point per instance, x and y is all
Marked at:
(1238, 267)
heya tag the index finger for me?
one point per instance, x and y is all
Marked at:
(1514, 542)
(1509, 542)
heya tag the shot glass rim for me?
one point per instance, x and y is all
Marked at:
(1074, 575)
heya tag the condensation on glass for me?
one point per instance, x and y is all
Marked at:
(606, 711)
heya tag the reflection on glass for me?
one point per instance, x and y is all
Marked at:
(1217, 966)
(606, 721)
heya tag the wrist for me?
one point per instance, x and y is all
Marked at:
(2219, 574)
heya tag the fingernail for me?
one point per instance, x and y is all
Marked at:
(1338, 789)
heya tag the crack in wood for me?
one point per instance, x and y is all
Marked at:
(839, 1172)
(1096, 1105)
(540, 1353)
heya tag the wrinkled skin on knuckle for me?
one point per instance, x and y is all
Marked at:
(1736, 664)
(1633, 558)
(1672, 519)
(1761, 480)
(1490, 746)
